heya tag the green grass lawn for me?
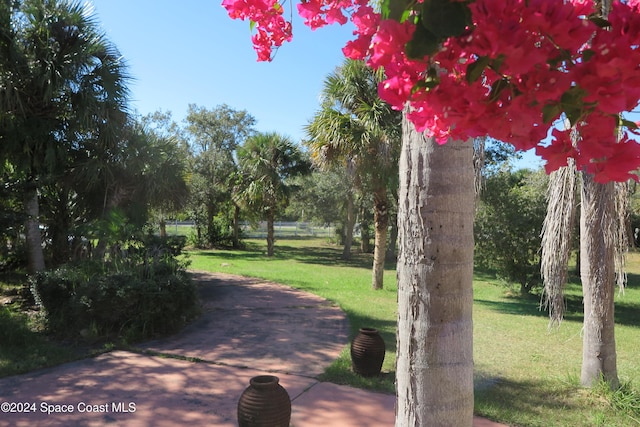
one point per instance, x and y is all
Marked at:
(526, 374)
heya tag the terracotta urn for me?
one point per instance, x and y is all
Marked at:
(367, 352)
(265, 403)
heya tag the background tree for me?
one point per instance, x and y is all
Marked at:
(355, 127)
(12, 218)
(268, 162)
(323, 198)
(214, 136)
(508, 224)
(60, 78)
(169, 191)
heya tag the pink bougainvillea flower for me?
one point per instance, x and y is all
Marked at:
(539, 59)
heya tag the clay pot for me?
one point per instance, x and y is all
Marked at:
(265, 403)
(367, 352)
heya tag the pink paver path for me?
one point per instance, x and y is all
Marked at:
(249, 327)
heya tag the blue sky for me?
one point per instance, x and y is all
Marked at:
(190, 52)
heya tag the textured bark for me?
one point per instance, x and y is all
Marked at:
(348, 232)
(381, 221)
(365, 236)
(434, 371)
(163, 228)
(32, 231)
(271, 237)
(597, 239)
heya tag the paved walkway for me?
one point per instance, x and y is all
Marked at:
(249, 327)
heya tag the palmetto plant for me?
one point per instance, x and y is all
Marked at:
(267, 162)
(62, 84)
(356, 128)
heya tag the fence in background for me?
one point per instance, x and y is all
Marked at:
(281, 229)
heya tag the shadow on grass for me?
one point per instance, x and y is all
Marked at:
(322, 256)
(633, 281)
(626, 313)
(527, 305)
(626, 308)
(520, 401)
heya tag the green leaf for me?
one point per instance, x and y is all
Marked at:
(550, 112)
(496, 63)
(423, 43)
(599, 20)
(475, 69)
(406, 15)
(562, 57)
(445, 18)
(497, 87)
(572, 104)
(385, 9)
(431, 81)
(396, 9)
(587, 54)
(627, 123)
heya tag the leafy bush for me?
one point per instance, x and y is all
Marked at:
(508, 224)
(135, 298)
(171, 244)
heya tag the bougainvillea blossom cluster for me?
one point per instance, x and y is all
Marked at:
(272, 29)
(538, 74)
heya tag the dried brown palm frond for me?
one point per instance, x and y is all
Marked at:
(622, 197)
(556, 240)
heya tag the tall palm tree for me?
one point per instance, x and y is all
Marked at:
(602, 246)
(267, 162)
(434, 365)
(355, 127)
(59, 78)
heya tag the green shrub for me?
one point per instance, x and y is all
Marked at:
(507, 226)
(133, 301)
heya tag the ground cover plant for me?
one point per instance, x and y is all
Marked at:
(23, 347)
(80, 309)
(142, 290)
(525, 374)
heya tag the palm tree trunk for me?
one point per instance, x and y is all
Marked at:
(271, 240)
(348, 232)
(32, 231)
(365, 237)
(434, 371)
(381, 221)
(597, 238)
